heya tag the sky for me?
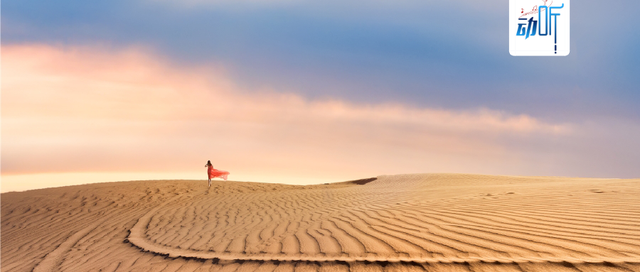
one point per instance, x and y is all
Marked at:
(305, 92)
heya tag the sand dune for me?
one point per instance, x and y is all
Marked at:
(420, 222)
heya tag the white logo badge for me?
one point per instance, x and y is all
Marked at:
(539, 27)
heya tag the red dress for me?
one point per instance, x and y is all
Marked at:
(215, 173)
(211, 172)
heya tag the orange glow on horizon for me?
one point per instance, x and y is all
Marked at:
(89, 110)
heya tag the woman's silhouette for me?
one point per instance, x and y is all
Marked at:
(209, 171)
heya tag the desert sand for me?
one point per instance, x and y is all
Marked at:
(418, 222)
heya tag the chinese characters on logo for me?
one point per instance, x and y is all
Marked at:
(543, 31)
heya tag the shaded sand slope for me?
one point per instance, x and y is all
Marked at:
(420, 222)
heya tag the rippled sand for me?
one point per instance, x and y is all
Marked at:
(420, 222)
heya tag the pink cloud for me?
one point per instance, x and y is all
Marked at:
(87, 109)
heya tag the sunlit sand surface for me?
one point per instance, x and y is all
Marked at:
(419, 222)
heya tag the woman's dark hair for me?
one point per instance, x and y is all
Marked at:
(209, 162)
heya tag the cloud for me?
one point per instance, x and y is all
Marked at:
(85, 83)
(451, 54)
(95, 110)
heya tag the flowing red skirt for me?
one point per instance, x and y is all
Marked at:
(215, 173)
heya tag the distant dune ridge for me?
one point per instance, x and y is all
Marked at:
(416, 222)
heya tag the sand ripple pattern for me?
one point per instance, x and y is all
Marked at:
(442, 218)
(427, 222)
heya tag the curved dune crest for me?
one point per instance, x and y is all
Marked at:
(395, 218)
(433, 222)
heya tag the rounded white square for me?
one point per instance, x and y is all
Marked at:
(539, 27)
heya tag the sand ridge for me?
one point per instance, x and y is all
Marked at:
(432, 222)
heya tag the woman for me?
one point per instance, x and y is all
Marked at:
(209, 171)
